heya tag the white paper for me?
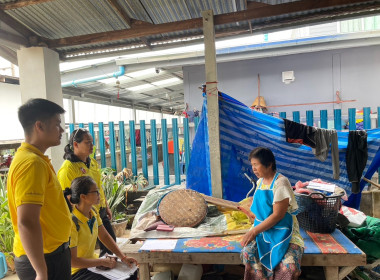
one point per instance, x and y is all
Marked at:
(120, 272)
(322, 187)
(159, 245)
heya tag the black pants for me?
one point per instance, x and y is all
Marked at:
(58, 265)
(108, 227)
(85, 274)
(356, 157)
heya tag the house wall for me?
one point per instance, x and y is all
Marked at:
(10, 100)
(354, 72)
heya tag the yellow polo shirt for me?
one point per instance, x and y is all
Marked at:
(84, 239)
(32, 180)
(71, 170)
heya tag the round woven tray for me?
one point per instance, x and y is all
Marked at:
(183, 208)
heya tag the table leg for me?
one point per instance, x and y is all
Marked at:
(331, 272)
(144, 271)
(344, 271)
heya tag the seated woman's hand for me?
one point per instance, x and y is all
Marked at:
(109, 262)
(129, 261)
(248, 237)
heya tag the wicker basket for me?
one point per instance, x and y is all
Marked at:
(182, 208)
(317, 212)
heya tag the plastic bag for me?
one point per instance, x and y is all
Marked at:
(356, 217)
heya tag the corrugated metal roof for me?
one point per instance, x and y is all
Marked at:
(59, 19)
(273, 2)
(65, 18)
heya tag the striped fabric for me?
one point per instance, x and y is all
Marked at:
(242, 129)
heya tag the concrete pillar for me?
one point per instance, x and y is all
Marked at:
(71, 110)
(134, 113)
(40, 78)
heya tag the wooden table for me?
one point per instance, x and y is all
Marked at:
(336, 265)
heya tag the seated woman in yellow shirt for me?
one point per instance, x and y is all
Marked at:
(78, 162)
(86, 228)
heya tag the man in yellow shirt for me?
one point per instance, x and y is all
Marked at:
(40, 216)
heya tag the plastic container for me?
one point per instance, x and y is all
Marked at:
(3, 265)
(318, 213)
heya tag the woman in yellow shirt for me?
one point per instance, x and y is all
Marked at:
(86, 228)
(78, 162)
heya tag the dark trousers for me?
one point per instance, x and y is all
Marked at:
(58, 265)
(85, 274)
(108, 227)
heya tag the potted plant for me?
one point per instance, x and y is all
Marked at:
(114, 191)
(133, 183)
(6, 230)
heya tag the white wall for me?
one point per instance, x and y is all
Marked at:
(10, 100)
(355, 72)
(85, 112)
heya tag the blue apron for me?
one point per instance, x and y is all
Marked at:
(273, 243)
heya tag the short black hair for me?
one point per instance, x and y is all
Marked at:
(37, 109)
(265, 156)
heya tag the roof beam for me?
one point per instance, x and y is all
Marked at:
(21, 3)
(170, 101)
(12, 38)
(255, 5)
(14, 24)
(142, 100)
(146, 42)
(108, 101)
(115, 5)
(146, 29)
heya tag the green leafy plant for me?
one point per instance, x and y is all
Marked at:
(6, 229)
(135, 181)
(114, 190)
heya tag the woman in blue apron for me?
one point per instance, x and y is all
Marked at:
(273, 247)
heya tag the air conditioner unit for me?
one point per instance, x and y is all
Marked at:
(288, 77)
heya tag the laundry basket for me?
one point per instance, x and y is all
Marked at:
(317, 212)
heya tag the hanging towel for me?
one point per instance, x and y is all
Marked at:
(299, 133)
(356, 157)
(323, 139)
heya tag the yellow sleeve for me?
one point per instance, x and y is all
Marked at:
(74, 235)
(30, 183)
(66, 174)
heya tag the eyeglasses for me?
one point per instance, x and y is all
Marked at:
(76, 132)
(97, 192)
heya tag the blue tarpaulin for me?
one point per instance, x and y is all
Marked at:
(243, 129)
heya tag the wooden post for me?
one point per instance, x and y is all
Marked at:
(212, 103)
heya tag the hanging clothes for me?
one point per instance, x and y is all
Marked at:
(299, 133)
(323, 139)
(356, 157)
